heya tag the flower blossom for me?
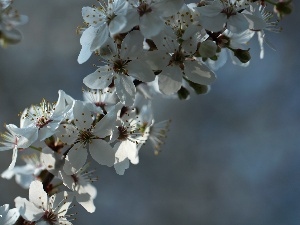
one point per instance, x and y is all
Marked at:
(122, 66)
(9, 19)
(43, 210)
(17, 139)
(8, 216)
(85, 135)
(103, 21)
(25, 174)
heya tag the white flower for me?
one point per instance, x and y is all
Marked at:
(51, 160)
(44, 210)
(180, 66)
(27, 173)
(219, 14)
(238, 41)
(80, 182)
(123, 65)
(149, 15)
(46, 117)
(87, 135)
(9, 19)
(17, 138)
(130, 139)
(156, 131)
(8, 216)
(107, 19)
(259, 21)
(100, 101)
(216, 64)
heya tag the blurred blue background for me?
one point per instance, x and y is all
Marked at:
(231, 157)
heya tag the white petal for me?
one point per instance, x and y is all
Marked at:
(102, 152)
(86, 200)
(105, 126)
(86, 40)
(222, 58)
(7, 174)
(51, 160)
(11, 217)
(28, 135)
(83, 118)
(28, 210)
(255, 23)
(14, 159)
(121, 166)
(151, 25)
(100, 79)
(211, 10)
(61, 202)
(102, 35)
(85, 54)
(190, 38)
(92, 16)
(3, 210)
(168, 8)
(77, 157)
(125, 90)
(67, 133)
(132, 20)
(67, 179)
(37, 195)
(157, 59)
(132, 45)
(140, 70)
(170, 79)
(198, 73)
(117, 24)
(129, 149)
(215, 23)
(237, 23)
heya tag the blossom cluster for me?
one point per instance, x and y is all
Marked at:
(147, 47)
(9, 20)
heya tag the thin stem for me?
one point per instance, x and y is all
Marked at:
(35, 148)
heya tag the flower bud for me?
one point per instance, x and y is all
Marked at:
(283, 8)
(223, 41)
(10, 37)
(183, 93)
(200, 89)
(243, 55)
(207, 49)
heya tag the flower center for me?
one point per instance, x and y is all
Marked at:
(85, 136)
(42, 121)
(178, 59)
(123, 134)
(119, 67)
(50, 217)
(229, 11)
(143, 9)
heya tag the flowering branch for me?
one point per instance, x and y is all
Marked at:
(166, 48)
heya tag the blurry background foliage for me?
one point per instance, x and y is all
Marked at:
(231, 157)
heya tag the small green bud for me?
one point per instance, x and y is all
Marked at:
(200, 89)
(183, 93)
(208, 49)
(243, 55)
